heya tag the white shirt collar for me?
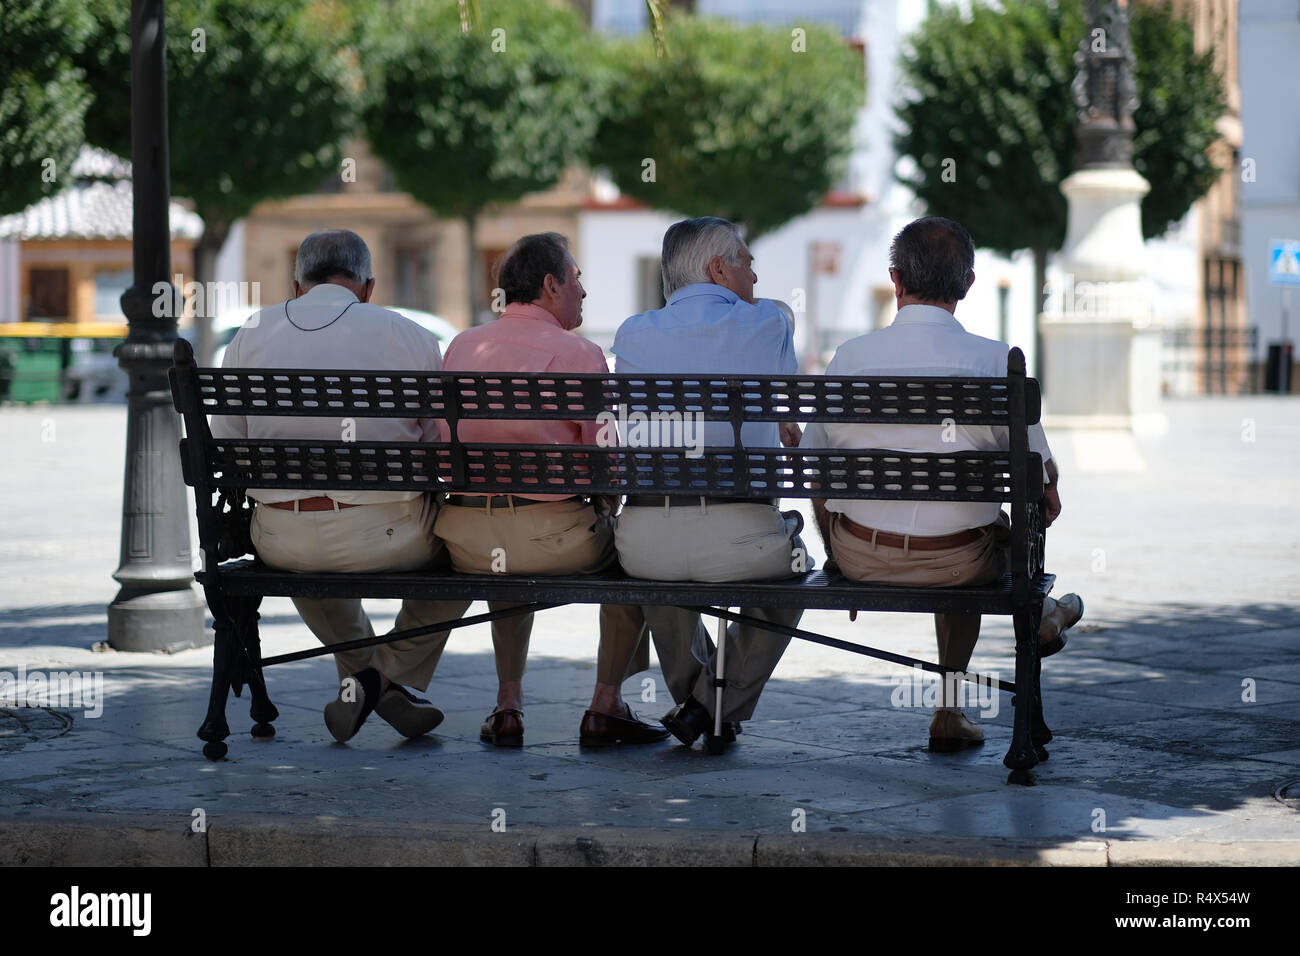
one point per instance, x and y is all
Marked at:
(925, 315)
(327, 292)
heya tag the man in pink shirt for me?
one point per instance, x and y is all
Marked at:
(540, 533)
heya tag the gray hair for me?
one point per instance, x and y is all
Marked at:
(933, 257)
(690, 244)
(330, 254)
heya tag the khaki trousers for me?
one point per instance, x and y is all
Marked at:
(547, 537)
(394, 536)
(712, 542)
(979, 562)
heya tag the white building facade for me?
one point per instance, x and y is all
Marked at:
(1269, 44)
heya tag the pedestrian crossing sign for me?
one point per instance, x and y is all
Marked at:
(1284, 262)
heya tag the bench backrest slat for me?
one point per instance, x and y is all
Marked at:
(721, 398)
(563, 469)
(228, 466)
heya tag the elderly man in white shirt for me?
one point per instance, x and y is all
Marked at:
(929, 543)
(329, 323)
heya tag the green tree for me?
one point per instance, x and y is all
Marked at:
(989, 123)
(44, 98)
(473, 104)
(261, 94)
(1180, 99)
(753, 124)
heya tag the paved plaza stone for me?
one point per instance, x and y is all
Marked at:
(1176, 704)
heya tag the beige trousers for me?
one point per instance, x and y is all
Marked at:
(548, 537)
(396, 536)
(979, 562)
(712, 542)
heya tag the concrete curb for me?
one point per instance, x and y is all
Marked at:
(132, 841)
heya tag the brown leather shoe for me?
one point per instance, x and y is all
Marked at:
(602, 730)
(951, 731)
(503, 728)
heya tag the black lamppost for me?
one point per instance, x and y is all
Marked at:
(157, 607)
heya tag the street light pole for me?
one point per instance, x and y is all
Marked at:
(157, 607)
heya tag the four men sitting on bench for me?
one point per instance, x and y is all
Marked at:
(711, 324)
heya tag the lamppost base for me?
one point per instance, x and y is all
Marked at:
(157, 621)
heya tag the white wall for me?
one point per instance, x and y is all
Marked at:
(609, 245)
(229, 266)
(10, 307)
(1268, 47)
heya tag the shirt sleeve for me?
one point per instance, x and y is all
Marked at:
(1038, 443)
(814, 436)
(230, 426)
(433, 429)
(593, 360)
(787, 362)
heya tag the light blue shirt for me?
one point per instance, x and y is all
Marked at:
(708, 329)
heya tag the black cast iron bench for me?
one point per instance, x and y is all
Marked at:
(220, 471)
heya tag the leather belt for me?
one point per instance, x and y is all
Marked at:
(657, 501)
(912, 542)
(319, 503)
(481, 501)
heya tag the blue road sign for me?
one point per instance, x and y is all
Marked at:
(1284, 262)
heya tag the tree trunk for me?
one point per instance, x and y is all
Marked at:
(206, 249)
(475, 269)
(1040, 302)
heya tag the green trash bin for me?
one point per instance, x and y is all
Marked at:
(38, 371)
(6, 371)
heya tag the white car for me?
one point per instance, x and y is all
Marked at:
(225, 325)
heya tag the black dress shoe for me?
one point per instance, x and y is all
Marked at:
(688, 720)
(603, 730)
(358, 695)
(504, 728)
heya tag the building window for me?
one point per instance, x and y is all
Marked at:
(47, 294)
(109, 286)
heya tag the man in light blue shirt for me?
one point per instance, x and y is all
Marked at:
(711, 324)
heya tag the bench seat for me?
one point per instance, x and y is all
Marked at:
(823, 590)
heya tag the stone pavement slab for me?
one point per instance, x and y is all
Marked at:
(1176, 706)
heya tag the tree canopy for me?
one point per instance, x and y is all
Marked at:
(260, 96)
(44, 98)
(463, 119)
(990, 121)
(750, 123)
(471, 104)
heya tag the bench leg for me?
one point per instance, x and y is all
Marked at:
(1039, 733)
(1022, 755)
(215, 730)
(261, 710)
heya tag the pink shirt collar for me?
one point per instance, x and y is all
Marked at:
(526, 310)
